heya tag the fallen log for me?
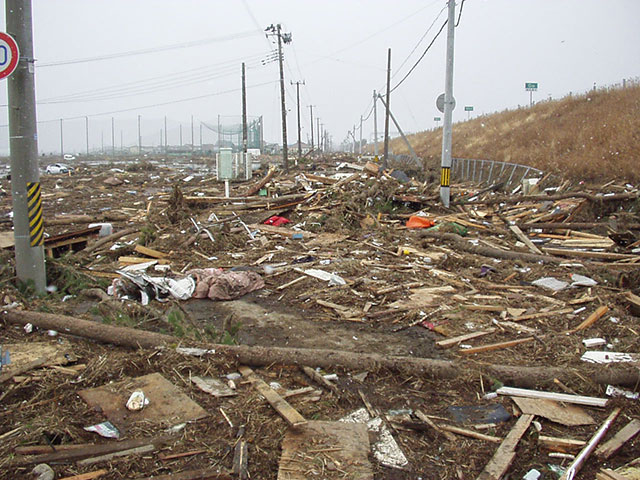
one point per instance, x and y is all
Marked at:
(70, 219)
(544, 198)
(575, 225)
(522, 376)
(267, 178)
(464, 245)
(110, 238)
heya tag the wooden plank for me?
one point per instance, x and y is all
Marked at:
(591, 319)
(608, 474)
(438, 429)
(149, 252)
(165, 458)
(286, 411)
(533, 316)
(484, 308)
(494, 346)
(583, 254)
(565, 414)
(136, 260)
(462, 338)
(200, 474)
(629, 431)
(87, 476)
(558, 397)
(305, 450)
(240, 460)
(524, 239)
(506, 452)
(470, 433)
(42, 449)
(123, 453)
(318, 378)
(564, 445)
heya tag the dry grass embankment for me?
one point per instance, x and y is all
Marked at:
(593, 137)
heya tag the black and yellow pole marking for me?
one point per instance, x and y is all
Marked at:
(34, 206)
(445, 179)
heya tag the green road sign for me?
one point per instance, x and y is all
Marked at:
(531, 86)
(468, 109)
(437, 119)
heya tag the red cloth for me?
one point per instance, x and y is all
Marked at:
(276, 221)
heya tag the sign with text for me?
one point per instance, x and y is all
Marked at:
(468, 108)
(531, 86)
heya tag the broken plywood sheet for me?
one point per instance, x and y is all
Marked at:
(385, 449)
(423, 297)
(168, 406)
(6, 240)
(326, 450)
(23, 354)
(565, 414)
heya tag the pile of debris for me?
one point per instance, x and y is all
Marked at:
(390, 337)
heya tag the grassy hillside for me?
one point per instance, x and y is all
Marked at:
(593, 137)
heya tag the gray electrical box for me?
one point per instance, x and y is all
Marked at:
(224, 164)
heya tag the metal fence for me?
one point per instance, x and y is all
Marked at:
(489, 171)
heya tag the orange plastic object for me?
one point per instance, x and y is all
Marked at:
(419, 222)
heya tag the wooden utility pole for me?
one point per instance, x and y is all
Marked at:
(286, 38)
(297, 84)
(312, 145)
(319, 138)
(385, 160)
(375, 123)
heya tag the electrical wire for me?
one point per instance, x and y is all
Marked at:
(142, 107)
(143, 51)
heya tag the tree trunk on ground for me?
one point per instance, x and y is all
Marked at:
(263, 356)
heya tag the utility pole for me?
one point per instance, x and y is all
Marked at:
(245, 140)
(161, 143)
(61, 140)
(86, 124)
(166, 142)
(360, 143)
(385, 160)
(113, 136)
(323, 144)
(311, 109)
(375, 123)
(139, 137)
(200, 136)
(286, 38)
(28, 225)
(192, 141)
(180, 135)
(102, 141)
(353, 135)
(297, 84)
(449, 103)
(319, 138)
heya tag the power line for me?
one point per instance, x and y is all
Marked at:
(142, 107)
(143, 51)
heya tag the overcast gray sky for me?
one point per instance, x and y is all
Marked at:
(339, 49)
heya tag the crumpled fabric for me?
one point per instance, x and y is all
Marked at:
(276, 221)
(217, 284)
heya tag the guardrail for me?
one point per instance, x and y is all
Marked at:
(490, 171)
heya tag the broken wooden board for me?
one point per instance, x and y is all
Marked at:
(559, 397)
(495, 346)
(27, 356)
(422, 297)
(327, 450)
(629, 431)
(449, 342)
(286, 411)
(506, 452)
(569, 415)
(563, 445)
(149, 252)
(6, 240)
(168, 406)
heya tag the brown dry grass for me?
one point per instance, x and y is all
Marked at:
(593, 137)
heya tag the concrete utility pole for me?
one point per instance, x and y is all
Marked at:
(311, 110)
(245, 131)
(181, 135)
(449, 103)
(86, 125)
(297, 84)
(286, 38)
(28, 225)
(192, 141)
(385, 160)
(201, 136)
(319, 138)
(360, 142)
(113, 136)
(375, 123)
(166, 143)
(61, 140)
(395, 122)
(139, 137)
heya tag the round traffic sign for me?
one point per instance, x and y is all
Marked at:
(440, 103)
(9, 55)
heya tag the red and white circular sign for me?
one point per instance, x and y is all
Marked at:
(9, 55)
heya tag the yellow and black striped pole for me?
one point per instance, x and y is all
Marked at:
(34, 207)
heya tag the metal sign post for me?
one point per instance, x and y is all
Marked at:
(28, 224)
(468, 109)
(531, 87)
